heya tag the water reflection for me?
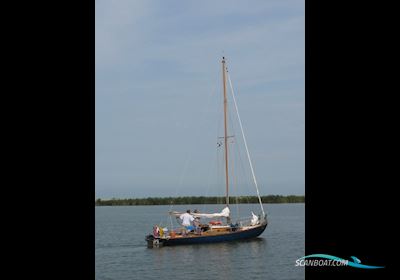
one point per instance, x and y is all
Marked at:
(226, 257)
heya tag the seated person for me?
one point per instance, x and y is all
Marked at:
(196, 223)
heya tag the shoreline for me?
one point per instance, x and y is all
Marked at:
(194, 200)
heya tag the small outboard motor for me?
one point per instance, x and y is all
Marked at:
(153, 242)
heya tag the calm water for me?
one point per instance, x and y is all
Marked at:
(121, 251)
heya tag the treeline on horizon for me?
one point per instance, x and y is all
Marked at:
(199, 200)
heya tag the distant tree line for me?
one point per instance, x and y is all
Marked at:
(199, 200)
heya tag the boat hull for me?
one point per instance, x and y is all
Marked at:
(232, 236)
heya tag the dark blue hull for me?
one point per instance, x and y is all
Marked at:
(232, 236)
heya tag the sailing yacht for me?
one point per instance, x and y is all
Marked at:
(215, 231)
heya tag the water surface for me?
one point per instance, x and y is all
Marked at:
(121, 251)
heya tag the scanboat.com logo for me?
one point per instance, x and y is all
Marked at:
(328, 260)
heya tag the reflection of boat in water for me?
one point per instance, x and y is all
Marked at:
(214, 231)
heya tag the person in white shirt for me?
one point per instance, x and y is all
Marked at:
(186, 220)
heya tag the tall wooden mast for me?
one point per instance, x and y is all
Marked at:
(225, 132)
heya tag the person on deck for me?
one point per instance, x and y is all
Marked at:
(186, 220)
(196, 223)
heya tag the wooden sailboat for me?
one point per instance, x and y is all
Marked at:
(215, 232)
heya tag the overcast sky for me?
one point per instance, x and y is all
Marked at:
(159, 96)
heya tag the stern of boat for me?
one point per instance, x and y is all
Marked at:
(153, 242)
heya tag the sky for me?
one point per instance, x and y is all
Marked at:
(159, 96)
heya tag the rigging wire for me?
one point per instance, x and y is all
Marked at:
(216, 166)
(245, 144)
(190, 152)
(232, 166)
